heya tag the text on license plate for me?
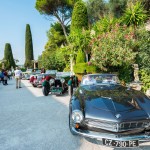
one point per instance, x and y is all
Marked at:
(115, 143)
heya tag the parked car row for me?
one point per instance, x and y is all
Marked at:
(102, 108)
(52, 82)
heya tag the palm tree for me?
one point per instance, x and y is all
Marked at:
(134, 14)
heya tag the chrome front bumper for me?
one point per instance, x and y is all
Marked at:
(99, 136)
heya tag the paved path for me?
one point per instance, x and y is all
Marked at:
(31, 121)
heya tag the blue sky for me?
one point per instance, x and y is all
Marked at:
(14, 15)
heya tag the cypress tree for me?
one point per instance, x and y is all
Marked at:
(8, 57)
(28, 48)
(79, 17)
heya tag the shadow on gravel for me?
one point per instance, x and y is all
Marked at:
(41, 123)
(28, 122)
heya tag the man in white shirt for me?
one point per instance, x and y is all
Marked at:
(18, 75)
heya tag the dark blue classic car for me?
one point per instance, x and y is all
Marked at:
(102, 108)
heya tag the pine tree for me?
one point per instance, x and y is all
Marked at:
(79, 17)
(8, 57)
(28, 48)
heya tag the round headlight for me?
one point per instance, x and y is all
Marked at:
(62, 80)
(77, 116)
(52, 81)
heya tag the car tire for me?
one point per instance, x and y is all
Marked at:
(70, 125)
(34, 85)
(45, 91)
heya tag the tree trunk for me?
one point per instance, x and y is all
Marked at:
(62, 25)
(86, 54)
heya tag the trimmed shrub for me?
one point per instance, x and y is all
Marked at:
(79, 17)
(80, 68)
(28, 48)
(80, 57)
(8, 56)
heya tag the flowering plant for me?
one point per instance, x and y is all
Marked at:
(113, 48)
(89, 63)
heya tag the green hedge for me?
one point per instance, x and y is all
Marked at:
(80, 57)
(81, 67)
(145, 78)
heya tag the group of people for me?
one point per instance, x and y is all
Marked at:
(6, 75)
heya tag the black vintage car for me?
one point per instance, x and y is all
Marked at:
(102, 108)
(60, 83)
(57, 85)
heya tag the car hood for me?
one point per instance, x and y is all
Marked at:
(115, 103)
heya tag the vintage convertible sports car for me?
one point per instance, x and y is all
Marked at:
(102, 108)
(60, 83)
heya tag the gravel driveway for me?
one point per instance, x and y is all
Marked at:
(31, 121)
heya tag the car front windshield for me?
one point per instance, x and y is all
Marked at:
(98, 79)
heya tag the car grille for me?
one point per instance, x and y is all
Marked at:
(118, 127)
(134, 125)
(101, 124)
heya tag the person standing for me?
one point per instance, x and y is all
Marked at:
(2, 76)
(18, 75)
(75, 81)
(70, 86)
(5, 77)
(9, 74)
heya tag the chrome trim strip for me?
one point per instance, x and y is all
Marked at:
(99, 136)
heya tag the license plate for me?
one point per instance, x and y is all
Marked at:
(115, 143)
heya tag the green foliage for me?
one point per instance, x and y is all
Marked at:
(79, 40)
(28, 64)
(117, 7)
(143, 46)
(67, 68)
(125, 73)
(53, 56)
(135, 14)
(40, 61)
(52, 60)
(49, 7)
(8, 57)
(80, 57)
(60, 9)
(28, 48)
(145, 78)
(146, 4)
(96, 9)
(79, 17)
(114, 48)
(105, 24)
(23, 69)
(79, 68)
(55, 36)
